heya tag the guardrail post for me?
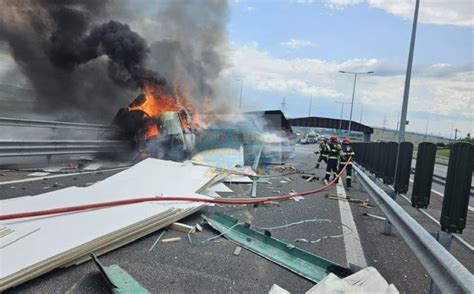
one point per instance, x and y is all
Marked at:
(387, 229)
(445, 239)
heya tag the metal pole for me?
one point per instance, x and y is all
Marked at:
(241, 88)
(352, 104)
(310, 102)
(361, 109)
(403, 118)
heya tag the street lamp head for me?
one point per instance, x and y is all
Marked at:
(341, 71)
(370, 72)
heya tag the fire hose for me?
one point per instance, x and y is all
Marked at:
(242, 201)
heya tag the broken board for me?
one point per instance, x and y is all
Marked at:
(304, 263)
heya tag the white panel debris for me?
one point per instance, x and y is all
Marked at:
(368, 280)
(65, 239)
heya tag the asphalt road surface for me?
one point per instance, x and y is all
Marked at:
(211, 267)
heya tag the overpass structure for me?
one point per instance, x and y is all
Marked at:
(331, 123)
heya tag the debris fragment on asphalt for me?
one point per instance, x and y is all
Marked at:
(237, 250)
(119, 280)
(169, 240)
(367, 280)
(275, 289)
(304, 263)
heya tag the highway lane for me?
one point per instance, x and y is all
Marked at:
(200, 267)
(440, 170)
(210, 267)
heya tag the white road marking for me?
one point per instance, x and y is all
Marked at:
(354, 251)
(470, 208)
(60, 176)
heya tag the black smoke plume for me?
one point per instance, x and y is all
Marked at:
(84, 62)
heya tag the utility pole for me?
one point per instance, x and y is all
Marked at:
(353, 91)
(310, 102)
(406, 92)
(361, 109)
(283, 105)
(427, 125)
(456, 130)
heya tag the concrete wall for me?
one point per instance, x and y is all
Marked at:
(381, 134)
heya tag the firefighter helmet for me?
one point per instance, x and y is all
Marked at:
(346, 141)
(333, 138)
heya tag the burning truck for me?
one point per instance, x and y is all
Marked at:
(169, 126)
(159, 125)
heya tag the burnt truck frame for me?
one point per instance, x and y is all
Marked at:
(176, 138)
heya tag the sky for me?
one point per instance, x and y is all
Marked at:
(293, 50)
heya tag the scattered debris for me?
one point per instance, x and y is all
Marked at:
(310, 178)
(304, 263)
(368, 280)
(285, 168)
(276, 192)
(237, 250)
(38, 174)
(180, 227)
(298, 198)
(2, 174)
(271, 203)
(263, 181)
(314, 220)
(363, 203)
(287, 179)
(169, 240)
(198, 227)
(275, 289)
(120, 281)
(374, 216)
(157, 240)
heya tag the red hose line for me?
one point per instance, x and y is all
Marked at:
(243, 201)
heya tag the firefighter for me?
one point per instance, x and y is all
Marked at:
(333, 150)
(323, 152)
(346, 154)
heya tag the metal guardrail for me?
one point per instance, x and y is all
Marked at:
(11, 148)
(19, 122)
(446, 271)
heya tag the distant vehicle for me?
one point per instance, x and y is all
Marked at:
(312, 138)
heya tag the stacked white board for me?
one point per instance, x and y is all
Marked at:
(40, 244)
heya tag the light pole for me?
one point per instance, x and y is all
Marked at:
(310, 102)
(353, 91)
(403, 117)
(241, 88)
(342, 112)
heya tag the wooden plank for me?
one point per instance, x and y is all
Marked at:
(169, 240)
(180, 227)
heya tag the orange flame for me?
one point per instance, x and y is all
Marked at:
(154, 101)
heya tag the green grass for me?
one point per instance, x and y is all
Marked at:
(442, 153)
